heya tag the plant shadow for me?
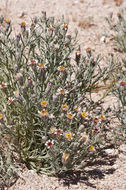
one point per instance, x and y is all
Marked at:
(92, 171)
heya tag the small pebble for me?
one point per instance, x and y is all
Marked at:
(103, 39)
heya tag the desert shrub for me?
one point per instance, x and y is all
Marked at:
(46, 103)
(118, 25)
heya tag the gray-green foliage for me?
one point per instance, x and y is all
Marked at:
(119, 27)
(46, 96)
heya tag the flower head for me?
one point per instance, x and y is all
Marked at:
(41, 66)
(16, 94)
(3, 85)
(65, 27)
(23, 24)
(61, 69)
(61, 91)
(65, 157)
(84, 138)
(68, 136)
(96, 119)
(70, 115)
(76, 109)
(52, 130)
(49, 144)
(51, 28)
(91, 148)
(83, 114)
(1, 116)
(119, 15)
(32, 62)
(64, 107)
(122, 83)
(44, 104)
(58, 132)
(88, 50)
(10, 100)
(43, 113)
(102, 117)
(78, 52)
(7, 20)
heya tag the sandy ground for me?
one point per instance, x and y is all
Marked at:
(88, 17)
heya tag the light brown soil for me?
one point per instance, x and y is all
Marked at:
(88, 16)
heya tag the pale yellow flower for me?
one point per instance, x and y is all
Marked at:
(70, 115)
(68, 136)
(62, 68)
(64, 107)
(65, 157)
(7, 20)
(83, 114)
(16, 93)
(76, 108)
(44, 104)
(61, 91)
(84, 138)
(91, 148)
(78, 52)
(52, 130)
(43, 113)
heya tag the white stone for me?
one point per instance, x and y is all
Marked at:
(103, 39)
(109, 151)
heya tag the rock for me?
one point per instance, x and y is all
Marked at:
(103, 39)
(110, 151)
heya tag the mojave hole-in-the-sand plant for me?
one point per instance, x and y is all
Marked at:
(47, 113)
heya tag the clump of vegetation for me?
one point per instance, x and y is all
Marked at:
(8, 170)
(46, 105)
(119, 88)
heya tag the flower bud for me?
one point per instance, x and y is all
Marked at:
(19, 77)
(29, 82)
(81, 128)
(55, 98)
(48, 88)
(15, 68)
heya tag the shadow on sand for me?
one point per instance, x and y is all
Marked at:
(92, 170)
